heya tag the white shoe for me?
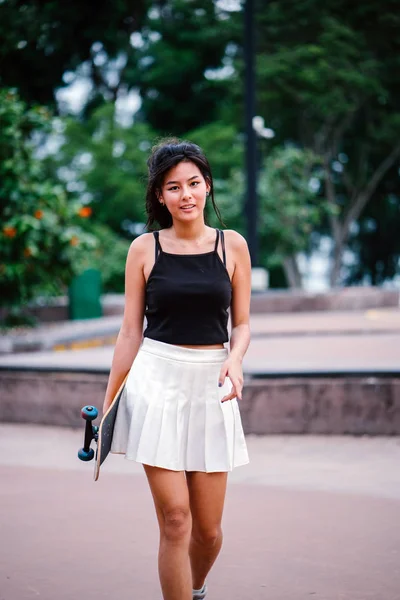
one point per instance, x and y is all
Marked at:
(200, 594)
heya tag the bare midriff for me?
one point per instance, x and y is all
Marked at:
(202, 346)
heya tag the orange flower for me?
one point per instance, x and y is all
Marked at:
(85, 212)
(38, 214)
(27, 252)
(10, 232)
(74, 241)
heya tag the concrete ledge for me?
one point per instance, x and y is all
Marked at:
(271, 301)
(63, 335)
(321, 405)
(349, 404)
(354, 298)
(49, 398)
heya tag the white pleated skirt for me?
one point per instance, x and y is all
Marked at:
(171, 416)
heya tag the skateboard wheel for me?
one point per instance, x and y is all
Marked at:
(89, 413)
(83, 455)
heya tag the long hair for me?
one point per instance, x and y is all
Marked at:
(165, 155)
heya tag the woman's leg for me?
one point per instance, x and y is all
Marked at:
(171, 500)
(207, 496)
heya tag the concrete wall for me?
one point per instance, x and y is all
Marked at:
(333, 405)
(49, 398)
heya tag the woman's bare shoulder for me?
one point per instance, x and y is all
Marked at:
(141, 244)
(235, 240)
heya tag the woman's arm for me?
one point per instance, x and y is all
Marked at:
(240, 317)
(131, 332)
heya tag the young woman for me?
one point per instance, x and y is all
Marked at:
(179, 415)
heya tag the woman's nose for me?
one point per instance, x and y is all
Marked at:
(186, 192)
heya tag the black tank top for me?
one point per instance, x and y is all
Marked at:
(188, 296)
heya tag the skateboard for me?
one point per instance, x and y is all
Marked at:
(102, 434)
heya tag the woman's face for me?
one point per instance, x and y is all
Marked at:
(184, 191)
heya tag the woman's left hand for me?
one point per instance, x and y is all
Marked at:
(232, 368)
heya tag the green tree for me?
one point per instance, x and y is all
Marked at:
(183, 47)
(41, 236)
(330, 82)
(108, 257)
(223, 145)
(44, 42)
(291, 208)
(163, 49)
(376, 241)
(106, 162)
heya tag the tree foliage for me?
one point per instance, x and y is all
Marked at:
(108, 257)
(107, 163)
(376, 242)
(330, 81)
(291, 208)
(161, 48)
(45, 41)
(41, 232)
(181, 43)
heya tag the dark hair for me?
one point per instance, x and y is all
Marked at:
(167, 154)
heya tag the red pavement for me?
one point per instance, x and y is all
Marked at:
(65, 537)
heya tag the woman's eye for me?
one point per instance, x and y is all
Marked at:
(195, 183)
(171, 189)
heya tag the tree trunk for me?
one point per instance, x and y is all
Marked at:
(334, 275)
(292, 273)
(341, 230)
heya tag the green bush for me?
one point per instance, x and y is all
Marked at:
(41, 237)
(109, 257)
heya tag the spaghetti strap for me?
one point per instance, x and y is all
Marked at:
(158, 248)
(216, 240)
(223, 246)
(220, 233)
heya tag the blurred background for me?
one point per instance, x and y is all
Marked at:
(87, 89)
(297, 105)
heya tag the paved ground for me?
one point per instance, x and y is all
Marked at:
(310, 517)
(383, 320)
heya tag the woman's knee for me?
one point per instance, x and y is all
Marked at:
(207, 536)
(177, 524)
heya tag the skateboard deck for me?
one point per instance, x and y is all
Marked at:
(102, 434)
(106, 430)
